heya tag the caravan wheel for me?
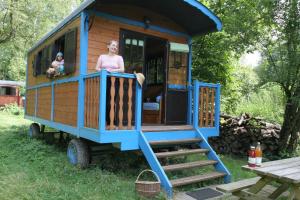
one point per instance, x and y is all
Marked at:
(34, 130)
(78, 153)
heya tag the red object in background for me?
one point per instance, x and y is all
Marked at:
(251, 157)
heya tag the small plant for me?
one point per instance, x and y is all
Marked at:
(13, 109)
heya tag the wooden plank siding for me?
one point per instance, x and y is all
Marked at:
(65, 103)
(42, 78)
(44, 103)
(104, 30)
(30, 102)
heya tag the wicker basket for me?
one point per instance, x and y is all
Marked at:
(147, 189)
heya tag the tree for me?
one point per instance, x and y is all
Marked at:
(282, 65)
(215, 55)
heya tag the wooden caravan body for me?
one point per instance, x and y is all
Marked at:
(154, 39)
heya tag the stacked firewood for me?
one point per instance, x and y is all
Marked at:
(237, 134)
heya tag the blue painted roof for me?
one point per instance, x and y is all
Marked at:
(192, 15)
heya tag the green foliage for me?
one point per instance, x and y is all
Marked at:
(13, 109)
(267, 102)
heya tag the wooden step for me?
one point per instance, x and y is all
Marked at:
(174, 142)
(189, 165)
(196, 179)
(180, 153)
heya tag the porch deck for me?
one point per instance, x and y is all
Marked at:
(158, 128)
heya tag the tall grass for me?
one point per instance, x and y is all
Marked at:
(33, 170)
(267, 103)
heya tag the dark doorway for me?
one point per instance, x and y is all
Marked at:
(147, 54)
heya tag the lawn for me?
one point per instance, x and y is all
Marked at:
(31, 169)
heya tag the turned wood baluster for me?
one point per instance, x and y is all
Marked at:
(121, 94)
(207, 107)
(212, 117)
(201, 106)
(129, 113)
(112, 103)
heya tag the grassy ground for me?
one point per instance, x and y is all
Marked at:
(31, 169)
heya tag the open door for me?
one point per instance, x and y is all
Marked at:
(177, 93)
(147, 54)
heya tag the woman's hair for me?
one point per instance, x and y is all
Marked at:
(111, 41)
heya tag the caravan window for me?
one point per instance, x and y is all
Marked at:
(10, 91)
(178, 62)
(66, 44)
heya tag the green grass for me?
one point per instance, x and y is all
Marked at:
(33, 170)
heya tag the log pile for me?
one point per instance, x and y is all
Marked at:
(237, 134)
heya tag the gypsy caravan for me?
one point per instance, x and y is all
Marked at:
(167, 109)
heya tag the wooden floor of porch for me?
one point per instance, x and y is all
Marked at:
(158, 128)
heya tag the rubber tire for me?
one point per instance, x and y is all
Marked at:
(49, 138)
(34, 130)
(78, 153)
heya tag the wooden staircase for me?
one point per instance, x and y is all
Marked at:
(165, 171)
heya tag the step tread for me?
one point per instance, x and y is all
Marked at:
(196, 179)
(180, 153)
(170, 142)
(189, 165)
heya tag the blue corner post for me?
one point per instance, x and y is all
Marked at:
(83, 68)
(196, 104)
(217, 107)
(189, 85)
(102, 107)
(138, 107)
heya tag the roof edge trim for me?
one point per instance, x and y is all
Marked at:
(206, 11)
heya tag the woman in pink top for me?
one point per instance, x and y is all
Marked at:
(111, 61)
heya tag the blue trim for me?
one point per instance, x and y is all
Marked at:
(102, 105)
(138, 107)
(190, 92)
(196, 104)
(121, 75)
(211, 85)
(52, 101)
(138, 23)
(217, 107)
(176, 87)
(206, 11)
(83, 69)
(90, 134)
(154, 164)
(213, 156)
(209, 131)
(66, 80)
(66, 128)
(127, 138)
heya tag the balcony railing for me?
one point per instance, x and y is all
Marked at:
(123, 109)
(206, 105)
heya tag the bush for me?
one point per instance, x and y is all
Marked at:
(267, 103)
(13, 109)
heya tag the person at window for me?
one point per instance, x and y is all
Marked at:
(58, 63)
(111, 61)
